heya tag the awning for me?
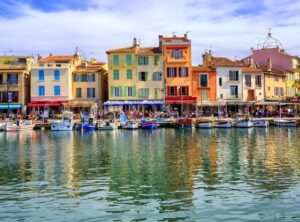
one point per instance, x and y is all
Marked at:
(133, 102)
(10, 106)
(181, 100)
(207, 103)
(78, 103)
(33, 104)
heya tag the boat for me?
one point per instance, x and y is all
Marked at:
(107, 125)
(2, 126)
(223, 124)
(148, 125)
(22, 125)
(130, 125)
(66, 123)
(285, 122)
(207, 124)
(244, 124)
(184, 123)
(87, 124)
(260, 123)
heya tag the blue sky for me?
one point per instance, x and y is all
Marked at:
(228, 27)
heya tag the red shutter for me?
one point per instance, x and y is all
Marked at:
(175, 71)
(168, 91)
(175, 90)
(187, 90)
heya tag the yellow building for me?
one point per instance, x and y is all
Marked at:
(135, 78)
(14, 82)
(275, 84)
(89, 86)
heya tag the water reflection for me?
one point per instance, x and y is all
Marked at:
(165, 174)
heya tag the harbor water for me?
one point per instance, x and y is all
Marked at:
(160, 175)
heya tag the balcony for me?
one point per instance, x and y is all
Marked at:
(182, 59)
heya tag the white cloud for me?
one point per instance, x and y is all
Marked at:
(113, 24)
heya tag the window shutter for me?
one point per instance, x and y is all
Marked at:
(187, 90)
(134, 91)
(175, 72)
(139, 93)
(146, 76)
(125, 91)
(176, 90)
(168, 71)
(112, 91)
(120, 90)
(147, 93)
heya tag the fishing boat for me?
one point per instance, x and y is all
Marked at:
(260, 123)
(223, 124)
(66, 123)
(19, 126)
(244, 124)
(107, 125)
(285, 122)
(2, 126)
(130, 125)
(148, 125)
(87, 124)
(207, 124)
(184, 123)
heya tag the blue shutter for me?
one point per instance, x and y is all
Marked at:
(41, 75)
(56, 75)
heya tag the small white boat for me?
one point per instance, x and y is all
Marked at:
(244, 124)
(205, 124)
(130, 125)
(284, 122)
(66, 123)
(223, 124)
(19, 126)
(107, 125)
(260, 123)
(2, 126)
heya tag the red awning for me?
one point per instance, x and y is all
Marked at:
(43, 104)
(181, 100)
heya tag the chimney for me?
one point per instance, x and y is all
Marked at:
(135, 44)
(269, 65)
(206, 57)
(185, 35)
(50, 54)
(252, 62)
(39, 56)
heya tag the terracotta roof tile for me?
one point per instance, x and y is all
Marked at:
(53, 59)
(248, 69)
(136, 50)
(201, 69)
(224, 62)
(90, 68)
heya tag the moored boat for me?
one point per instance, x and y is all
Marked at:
(184, 123)
(19, 126)
(285, 122)
(66, 123)
(149, 125)
(107, 125)
(260, 123)
(87, 124)
(223, 124)
(244, 124)
(205, 124)
(130, 125)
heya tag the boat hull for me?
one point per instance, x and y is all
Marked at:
(261, 123)
(205, 125)
(223, 125)
(286, 123)
(14, 128)
(244, 124)
(149, 126)
(61, 127)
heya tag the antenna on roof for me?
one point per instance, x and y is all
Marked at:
(269, 33)
(139, 42)
(174, 33)
(187, 32)
(76, 51)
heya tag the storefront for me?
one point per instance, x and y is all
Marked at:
(181, 103)
(132, 105)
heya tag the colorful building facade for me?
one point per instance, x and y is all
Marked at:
(14, 83)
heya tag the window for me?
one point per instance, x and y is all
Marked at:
(143, 60)
(78, 92)
(184, 90)
(144, 93)
(183, 71)
(128, 59)
(248, 80)
(258, 80)
(203, 80)
(234, 91)
(171, 72)
(234, 75)
(12, 79)
(157, 76)
(269, 88)
(204, 95)
(41, 75)
(220, 81)
(56, 90)
(91, 77)
(177, 54)
(56, 76)
(129, 73)
(143, 76)
(221, 96)
(116, 60)
(76, 78)
(41, 90)
(91, 92)
(156, 59)
(130, 91)
(84, 78)
(276, 78)
(116, 74)
(172, 90)
(116, 91)
(1, 79)
(156, 93)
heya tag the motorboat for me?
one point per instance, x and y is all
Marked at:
(66, 123)
(223, 124)
(149, 125)
(107, 125)
(207, 124)
(87, 124)
(130, 125)
(184, 123)
(244, 124)
(22, 125)
(260, 123)
(285, 122)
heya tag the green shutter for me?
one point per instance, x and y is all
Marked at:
(125, 91)
(120, 89)
(116, 74)
(147, 93)
(112, 91)
(116, 60)
(134, 91)
(139, 93)
(146, 76)
(129, 73)
(128, 59)
(146, 60)
(156, 59)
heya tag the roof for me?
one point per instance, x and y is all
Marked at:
(274, 71)
(249, 69)
(170, 39)
(136, 50)
(57, 59)
(223, 62)
(90, 68)
(202, 69)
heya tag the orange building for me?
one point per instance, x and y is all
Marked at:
(178, 72)
(204, 85)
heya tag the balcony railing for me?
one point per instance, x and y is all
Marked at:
(179, 60)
